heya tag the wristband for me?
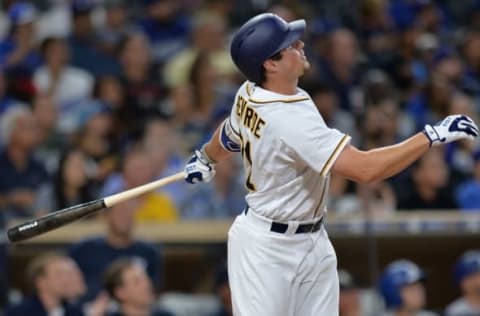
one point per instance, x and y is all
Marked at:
(204, 154)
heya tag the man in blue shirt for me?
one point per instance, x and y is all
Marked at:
(22, 177)
(93, 255)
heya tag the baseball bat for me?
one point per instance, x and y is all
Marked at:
(65, 216)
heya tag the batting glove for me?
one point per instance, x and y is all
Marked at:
(199, 168)
(452, 128)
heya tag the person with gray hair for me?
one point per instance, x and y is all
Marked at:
(22, 177)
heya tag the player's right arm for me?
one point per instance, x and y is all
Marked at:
(225, 141)
(381, 163)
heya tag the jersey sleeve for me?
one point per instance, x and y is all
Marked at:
(229, 137)
(314, 142)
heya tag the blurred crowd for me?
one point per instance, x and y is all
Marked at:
(99, 96)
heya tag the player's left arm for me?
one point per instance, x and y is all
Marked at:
(381, 163)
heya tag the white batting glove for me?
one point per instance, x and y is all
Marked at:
(199, 168)
(452, 128)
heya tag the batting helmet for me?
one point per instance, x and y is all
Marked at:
(468, 264)
(260, 38)
(22, 13)
(397, 275)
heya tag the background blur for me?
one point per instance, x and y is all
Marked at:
(100, 96)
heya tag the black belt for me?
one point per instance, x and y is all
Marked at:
(301, 229)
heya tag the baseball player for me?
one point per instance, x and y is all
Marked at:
(467, 276)
(401, 285)
(280, 260)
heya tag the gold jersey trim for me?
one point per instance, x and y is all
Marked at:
(278, 100)
(341, 144)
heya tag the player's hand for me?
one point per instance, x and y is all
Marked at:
(199, 169)
(452, 128)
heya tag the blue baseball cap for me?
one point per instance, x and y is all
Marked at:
(22, 13)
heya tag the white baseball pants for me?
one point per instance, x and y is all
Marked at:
(275, 274)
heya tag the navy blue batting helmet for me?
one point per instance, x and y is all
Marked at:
(260, 38)
(397, 275)
(468, 264)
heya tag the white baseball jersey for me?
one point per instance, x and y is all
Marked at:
(461, 307)
(287, 152)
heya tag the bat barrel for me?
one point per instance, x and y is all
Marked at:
(54, 220)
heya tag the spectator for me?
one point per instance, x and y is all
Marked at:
(65, 83)
(181, 101)
(166, 28)
(160, 143)
(341, 69)
(379, 127)
(94, 138)
(401, 285)
(76, 282)
(71, 180)
(22, 177)
(49, 278)
(109, 90)
(137, 169)
(350, 304)
(460, 156)
(466, 193)
(429, 188)
(326, 101)
(83, 41)
(432, 103)
(18, 52)
(118, 242)
(127, 282)
(117, 25)
(471, 54)
(140, 78)
(208, 37)
(212, 101)
(467, 276)
(50, 140)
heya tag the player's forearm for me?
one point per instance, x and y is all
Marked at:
(381, 163)
(214, 149)
(390, 160)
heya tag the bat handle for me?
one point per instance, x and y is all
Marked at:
(125, 195)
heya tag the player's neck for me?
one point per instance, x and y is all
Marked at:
(281, 86)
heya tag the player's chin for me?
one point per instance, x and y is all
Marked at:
(306, 65)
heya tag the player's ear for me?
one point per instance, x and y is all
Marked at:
(270, 65)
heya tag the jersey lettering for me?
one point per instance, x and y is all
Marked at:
(249, 117)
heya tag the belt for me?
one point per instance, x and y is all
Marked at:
(281, 228)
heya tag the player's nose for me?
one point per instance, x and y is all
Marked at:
(298, 44)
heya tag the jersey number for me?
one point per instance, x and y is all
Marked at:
(247, 155)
